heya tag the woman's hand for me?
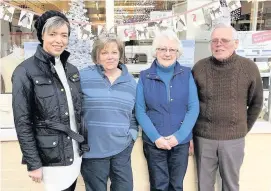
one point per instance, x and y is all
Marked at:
(162, 143)
(172, 141)
(36, 175)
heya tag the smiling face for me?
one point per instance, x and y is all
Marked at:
(222, 43)
(109, 56)
(55, 40)
(166, 53)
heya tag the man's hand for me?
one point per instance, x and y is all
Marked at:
(172, 141)
(162, 143)
(36, 175)
(191, 148)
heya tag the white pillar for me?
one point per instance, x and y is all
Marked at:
(109, 4)
(254, 15)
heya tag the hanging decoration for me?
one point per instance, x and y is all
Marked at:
(179, 23)
(144, 24)
(26, 19)
(213, 10)
(197, 17)
(160, 24)
(6, 12)
(234, 14)
(223, 3)
(225, 18)
(233, 4)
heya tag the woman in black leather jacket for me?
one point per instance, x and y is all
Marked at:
(47, 108)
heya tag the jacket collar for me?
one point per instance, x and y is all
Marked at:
(124, 72)
(45, 57)
(152, 74)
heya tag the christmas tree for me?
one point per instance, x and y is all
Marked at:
(79, 47)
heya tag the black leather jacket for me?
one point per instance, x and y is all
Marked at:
(41, 113)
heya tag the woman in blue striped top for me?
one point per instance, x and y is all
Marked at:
(108, 104)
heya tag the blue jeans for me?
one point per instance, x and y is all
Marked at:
(95, 172)
(167, 168)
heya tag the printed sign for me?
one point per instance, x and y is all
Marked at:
(254, 44)
(188, 55)
(261, 37)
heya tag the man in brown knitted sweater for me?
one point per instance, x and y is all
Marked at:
(231, 96)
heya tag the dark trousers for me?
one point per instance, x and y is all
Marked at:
(72, 187)
(225, 155)
(95, 172)
(167, 168)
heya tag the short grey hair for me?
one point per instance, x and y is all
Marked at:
(222, 25)
(166, 34)
(54, 23)
(101, 42)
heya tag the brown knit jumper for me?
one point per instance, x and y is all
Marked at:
(231, 97)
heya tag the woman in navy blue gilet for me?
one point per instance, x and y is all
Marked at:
(167, 108)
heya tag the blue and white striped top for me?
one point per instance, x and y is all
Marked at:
(108, 111)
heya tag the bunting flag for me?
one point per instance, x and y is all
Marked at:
(204, 16)
(6, 12)
(233, 4)
(225, 18)
(159, 23)
(179, 23)
(235, 14)
(214, 10)
(26, 19)
(223, 3)
(197, 17)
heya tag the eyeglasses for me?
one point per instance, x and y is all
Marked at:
(164, 50)
(223, 41)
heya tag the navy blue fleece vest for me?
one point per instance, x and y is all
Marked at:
(166, 112)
